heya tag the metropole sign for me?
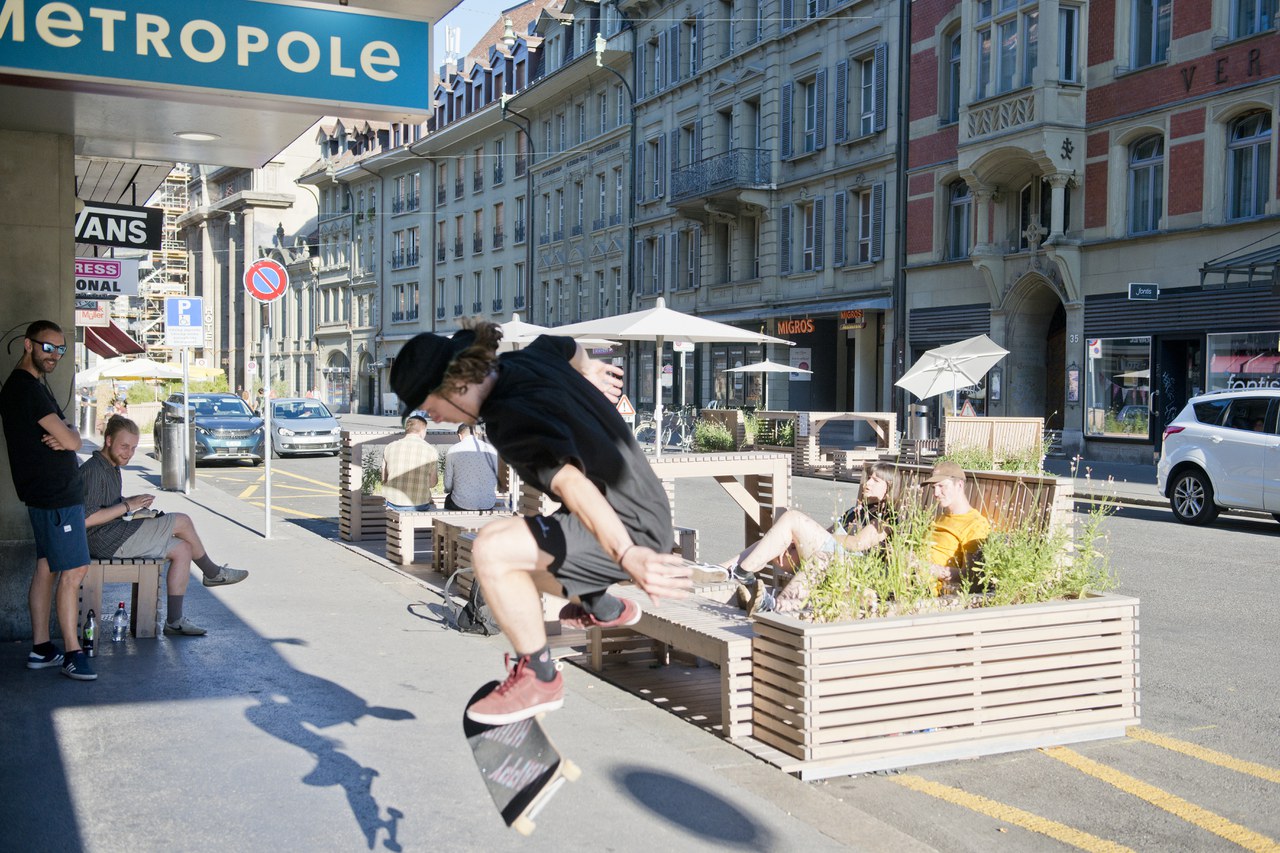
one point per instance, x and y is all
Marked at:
(326, 54)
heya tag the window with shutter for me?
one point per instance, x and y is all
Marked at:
(673, 54)
(638, 162)
(788, 14)
(842, 100)
(838, 231)
(881, 93)
(877, 222)
(674, 239)
(785, 124)
(642, 86)
(784, 241)
(820, 123)
(819, 229)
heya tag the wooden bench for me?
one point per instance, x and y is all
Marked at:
(143, 573)
(703, 626)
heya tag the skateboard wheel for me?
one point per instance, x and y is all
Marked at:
(570, 770)
(523, 825)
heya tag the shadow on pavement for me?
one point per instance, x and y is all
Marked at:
(326, 527)
(694, 808)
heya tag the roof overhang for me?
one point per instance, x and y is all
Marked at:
(1244, 269)
(111, 340)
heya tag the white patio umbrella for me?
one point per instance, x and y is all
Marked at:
(661, 324)
(952, 367)
(517, 332)
(197, 371)
(91, 375)
(140, 369)
(766, 366)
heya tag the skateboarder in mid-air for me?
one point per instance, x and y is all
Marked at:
(549, 410)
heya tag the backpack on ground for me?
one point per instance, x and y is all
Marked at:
(473, 616)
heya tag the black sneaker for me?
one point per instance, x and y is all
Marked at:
(76, 665)
(36, 660)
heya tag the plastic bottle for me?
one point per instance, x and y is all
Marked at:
(90, 632)
(120, 624)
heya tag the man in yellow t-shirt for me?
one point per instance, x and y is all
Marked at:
(959, 531)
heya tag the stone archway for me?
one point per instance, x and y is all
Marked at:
(1036, 336)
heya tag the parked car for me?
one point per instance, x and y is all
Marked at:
(300, 425)
(1222, 452)
(225, 427)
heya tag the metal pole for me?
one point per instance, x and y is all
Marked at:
(186, 426)
(266, 426)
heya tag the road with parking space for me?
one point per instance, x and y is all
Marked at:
(1202, 772)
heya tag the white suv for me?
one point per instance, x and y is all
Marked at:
(1222, 452)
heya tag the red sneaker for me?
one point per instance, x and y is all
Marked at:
(575, 616)
(518, 698)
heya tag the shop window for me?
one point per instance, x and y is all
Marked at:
(1118, 388)
(1249, 166)
(1244, 360)
(1146, 184)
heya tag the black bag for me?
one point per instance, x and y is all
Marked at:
(473, 617)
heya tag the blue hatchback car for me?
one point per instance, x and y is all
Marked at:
(225, 427)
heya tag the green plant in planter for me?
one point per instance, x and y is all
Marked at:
(1024, 563)
(787, 434)
(712, 436)
(750, 427)
(371, 473)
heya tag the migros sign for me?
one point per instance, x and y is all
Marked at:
(795, 327)
(237, 46)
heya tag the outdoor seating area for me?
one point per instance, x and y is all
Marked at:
(143, 575)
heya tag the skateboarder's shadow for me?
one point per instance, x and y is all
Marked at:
(307, 702)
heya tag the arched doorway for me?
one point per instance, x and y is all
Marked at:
(1037, 342)
(337, 383)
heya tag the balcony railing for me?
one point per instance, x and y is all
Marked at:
(615, 218)
(522, 166)
(499, 237)
(558, 235)
(477, 243)
(517, 303)
(597, 224)
(457, 247)
(397, 205)
(497, 305)
(440, 313)
(458, 188)
(440, 252)
(406, 203)
(519, 232)
(397, 316)
(397, 259)
(544, 239)
(477, 181)
(475, 307)
(411, 314)
(740, 168)
(497, 173)
(576, 231)
(457, 310)
(441, 195)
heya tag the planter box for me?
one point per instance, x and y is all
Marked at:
(855, 697)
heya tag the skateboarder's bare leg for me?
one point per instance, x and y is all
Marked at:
(511, 570)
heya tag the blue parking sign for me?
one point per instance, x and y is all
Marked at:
(184, 321)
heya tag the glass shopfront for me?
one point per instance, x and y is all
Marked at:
(734, 390)
(1244, 360)
(1118, 388)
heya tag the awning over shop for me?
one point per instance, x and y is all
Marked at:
(810, 309)
(1260, 267)
(111, 340)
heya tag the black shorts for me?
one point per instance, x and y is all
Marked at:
(578, 561)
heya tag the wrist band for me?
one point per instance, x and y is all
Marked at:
(623, 555)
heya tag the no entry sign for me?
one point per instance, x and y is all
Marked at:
(266, 280)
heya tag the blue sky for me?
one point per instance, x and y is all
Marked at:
(473, 17)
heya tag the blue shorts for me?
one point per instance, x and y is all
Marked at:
(60, 537)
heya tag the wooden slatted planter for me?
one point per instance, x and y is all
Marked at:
(855, 697)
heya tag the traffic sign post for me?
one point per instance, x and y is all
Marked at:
(266, 281)
(183, 329)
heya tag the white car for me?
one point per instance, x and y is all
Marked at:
(1222, 452)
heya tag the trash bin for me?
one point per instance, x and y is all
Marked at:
(917, 422)
(173, 462)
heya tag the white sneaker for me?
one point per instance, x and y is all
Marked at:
(226, 576)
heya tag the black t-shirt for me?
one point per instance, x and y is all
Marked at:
(862, 515)
(542, 415)
(43, 478)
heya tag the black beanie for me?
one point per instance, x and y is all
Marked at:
(420, 365)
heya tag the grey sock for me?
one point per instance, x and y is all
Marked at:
(173, 611)
(208, 567)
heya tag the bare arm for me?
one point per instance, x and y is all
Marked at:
(59, 436)
(660, 575)
(602, 374)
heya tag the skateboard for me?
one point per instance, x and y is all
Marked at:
(520, 765)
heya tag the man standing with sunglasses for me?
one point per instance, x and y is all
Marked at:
(46, 475)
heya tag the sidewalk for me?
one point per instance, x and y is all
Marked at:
(323, 712)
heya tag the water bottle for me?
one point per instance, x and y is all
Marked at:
(120, 624)
(90, 630)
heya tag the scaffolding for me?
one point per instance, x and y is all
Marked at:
(167, 275)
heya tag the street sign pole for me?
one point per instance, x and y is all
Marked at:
(186, 425)
(266, 424)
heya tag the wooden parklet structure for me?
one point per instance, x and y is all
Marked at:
(1001, 437)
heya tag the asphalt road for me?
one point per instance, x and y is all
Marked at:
(1202, 772)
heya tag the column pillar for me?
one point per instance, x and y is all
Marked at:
(1058, 208)
(982, 196)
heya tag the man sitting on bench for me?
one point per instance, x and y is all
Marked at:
(126, 527)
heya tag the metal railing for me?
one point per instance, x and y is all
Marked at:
(740, 168)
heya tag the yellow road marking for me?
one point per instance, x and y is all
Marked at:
(1010, 814)
(1208, 755)
(309, 490)
(1173, 804)
(330, 486)
(253, 487)
(287, 511)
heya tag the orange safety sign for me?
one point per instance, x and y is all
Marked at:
(625, 408)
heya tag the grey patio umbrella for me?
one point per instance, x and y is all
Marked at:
(661, 324)
(952, 367)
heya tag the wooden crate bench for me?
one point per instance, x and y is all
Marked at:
(449, 551)
(704, 627)
(144, 574)
(403, 529)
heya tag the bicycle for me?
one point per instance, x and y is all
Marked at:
(677, 427)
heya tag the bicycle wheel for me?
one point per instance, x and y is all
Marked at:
(646, 431)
